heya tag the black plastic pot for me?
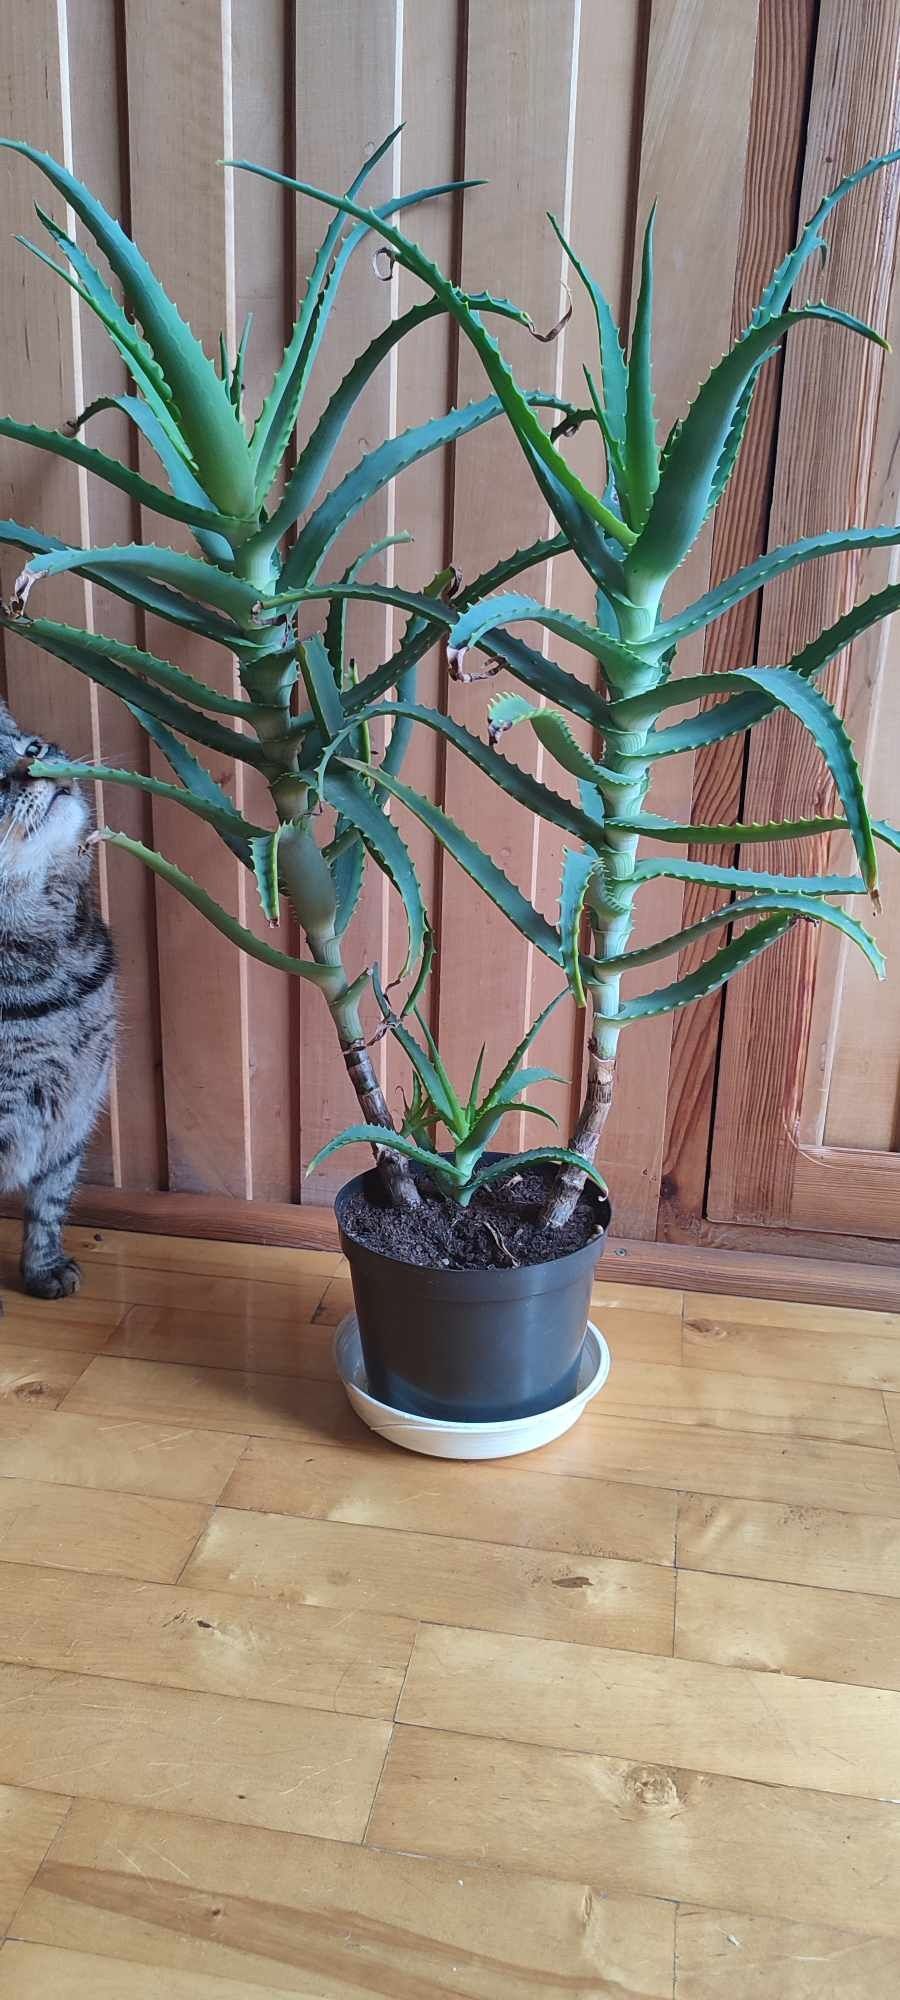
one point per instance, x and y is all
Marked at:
(470, 1346)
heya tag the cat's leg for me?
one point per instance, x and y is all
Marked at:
(46, 1270)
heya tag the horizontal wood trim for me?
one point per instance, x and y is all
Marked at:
(749, 1273)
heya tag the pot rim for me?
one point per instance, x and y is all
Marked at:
(524, 1277)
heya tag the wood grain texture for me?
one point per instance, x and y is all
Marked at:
(297, 1772)
(41, 1375)
(304, 1656)
(776, 1729)
(753, 1956)
(80, 1528)
(28, 1823)
(708, 1399)
(853, 114)
(798, 1343)
(368, 1487)
(789, 1544)
(153, 1459)
(26, 1972)
(439, 1577)
(217, 1399)
(333, 1921)
(788, 1629)
(653, 1828)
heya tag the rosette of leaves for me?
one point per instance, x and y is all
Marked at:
(470, 1122)
(632, 540)
(264, 518)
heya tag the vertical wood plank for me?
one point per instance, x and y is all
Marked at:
(57, 359)
(784, 51)
(697, 102)
(179, 107)
(853, 113)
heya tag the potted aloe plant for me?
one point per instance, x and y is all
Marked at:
(408, 1227)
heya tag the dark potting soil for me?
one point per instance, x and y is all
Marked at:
(499, 1228)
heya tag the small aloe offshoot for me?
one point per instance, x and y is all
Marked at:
(470, 1122)
(632, 540)
(261, 546)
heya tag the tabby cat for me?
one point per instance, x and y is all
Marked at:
(57, 1002)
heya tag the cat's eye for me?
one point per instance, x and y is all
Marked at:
(35, 748)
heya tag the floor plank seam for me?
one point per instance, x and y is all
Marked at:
(195, 1546)
(54, 1837)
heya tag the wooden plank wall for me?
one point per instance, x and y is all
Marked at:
(227, 1079)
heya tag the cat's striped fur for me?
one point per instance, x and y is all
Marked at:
(57, 1003)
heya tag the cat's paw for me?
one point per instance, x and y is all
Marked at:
(55, 1281)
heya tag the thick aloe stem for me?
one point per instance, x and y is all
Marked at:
(610, 901)
(309, 884)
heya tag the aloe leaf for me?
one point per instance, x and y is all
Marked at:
(778, 562)
(264, 860)
(641, 451)
(713, 973)
(279, 414)
(739, 834)
(129, 585)
(142, 694)
(780, 285)
(536, 1155)
(431, 1074)
(553, 731)
(614, 368)
(206, 418)
(745, 878)
(440, 1067)
(473, 860)
(512, 609)
(225, 818)
(138, 357)
(525, 424)
(681, 498)
(317, 453)
(198, 580)
(367, 478)
(236, 383)
(60, 445)
(578, 870)
(511, 1066)
(814, 908)
(335, 623)
(182, 480)
(221, 919)
(321, 687)
(383, 1135)
(353, 800)
(789, 689)
(889, 834)
(519, 785)
(42, 631)
(348, 868)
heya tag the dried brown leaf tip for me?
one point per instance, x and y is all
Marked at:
(553, 332)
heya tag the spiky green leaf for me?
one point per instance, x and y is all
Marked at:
(578, 870)
(221, 919)
(713, 973)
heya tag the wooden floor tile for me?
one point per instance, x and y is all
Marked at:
(68, 1527)
(251, 1762)
(787, 1628)
(352, 1663)
(137, 1249)
(156, 1459)
(438, 1577)
(892, 1405)
(608, 1292)
(814, 1545)
(501, 1502)
(223, 1399)
(45, 1314)
(803, 1342)
(854, 1478)
(760, 1958)
(645, 1829)
(252, 1299)
(28, 1822)
(53, 1326)
(331, 1921)
(771, 1728)
(711, 1401)
(32, 1971)
(336, 1301)
(280, 1347)
(36, 1375)
(635, 1334)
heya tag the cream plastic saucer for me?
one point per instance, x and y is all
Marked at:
(443, 1439)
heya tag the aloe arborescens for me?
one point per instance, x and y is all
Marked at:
(632, 541)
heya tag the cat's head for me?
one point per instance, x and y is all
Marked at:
(43, 821)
